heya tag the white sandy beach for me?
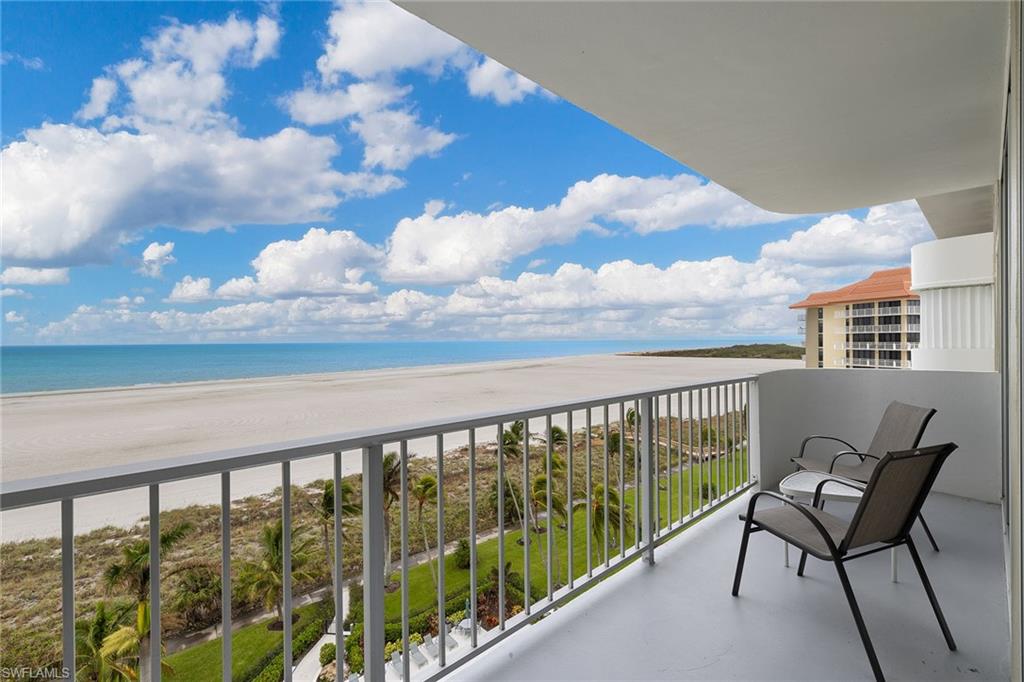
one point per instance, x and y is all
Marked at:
(51, 433)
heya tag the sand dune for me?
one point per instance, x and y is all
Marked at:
(53, 433)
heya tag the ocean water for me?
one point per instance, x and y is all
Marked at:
(54, 368)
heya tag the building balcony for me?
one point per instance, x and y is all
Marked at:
(683, 460)
(876, 345)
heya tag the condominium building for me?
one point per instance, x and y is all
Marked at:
(875, 322)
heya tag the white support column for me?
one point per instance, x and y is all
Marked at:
(373, 563)
(954, 278)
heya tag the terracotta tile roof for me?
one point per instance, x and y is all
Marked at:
(884, 285)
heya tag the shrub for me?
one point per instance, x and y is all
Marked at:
(461, 555)
(328, 652)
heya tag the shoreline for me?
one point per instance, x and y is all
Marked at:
(58, 432)
(300, 375)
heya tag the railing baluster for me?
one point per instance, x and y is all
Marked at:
(225, 576)
(441, 634)
(527, 597)
(668, 461)
(501, 526)
(590, 498)
(689, 450)
(656, 448)
(403, 454)
(679, 481)
(339, 580)
(472, 538)
(570, 579)
(647, 465)
(636, 474)
(732, 439)
(286, 562)
(622, 481)
(67, 585)
(155, 631)
(604, 439)
(747, 428)
(548, 454)
(375, 564)
(700, 447)
(720, 431)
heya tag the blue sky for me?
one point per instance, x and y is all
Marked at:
(304, 171)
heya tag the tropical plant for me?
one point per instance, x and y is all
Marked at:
(559, 438)
(512, 448)
(263, 580)
(462, 555)
(424, 492)
(89, 635)
(511, 491)
(131, 575)
(196, 596)
(126, 650)
(323, 508)
(539, 498)
(392, 493)
(616, 514)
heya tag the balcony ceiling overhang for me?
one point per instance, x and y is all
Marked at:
(798, 107)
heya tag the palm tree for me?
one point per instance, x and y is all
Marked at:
(539, 499)
(89, 635)
(263, 580)
(324, 511)
(424, 492)
(125, 650)
(616, 514)
(131, 574)
(512, 448)
(392, 493)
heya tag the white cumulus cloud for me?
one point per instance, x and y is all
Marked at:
(491, 79)
(436, 248)
(884, 236)
(191, 290)
(169, 156)
(22, 275)
(155, 257)
(321, 263)
(13, 316)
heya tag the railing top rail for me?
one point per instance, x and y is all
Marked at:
(45, 489)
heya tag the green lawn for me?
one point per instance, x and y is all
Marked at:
(423, 594)
(248, 645)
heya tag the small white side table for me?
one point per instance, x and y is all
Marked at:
(803, 484)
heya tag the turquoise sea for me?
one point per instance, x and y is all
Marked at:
(54, 368)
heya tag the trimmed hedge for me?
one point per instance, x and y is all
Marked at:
(273, 662)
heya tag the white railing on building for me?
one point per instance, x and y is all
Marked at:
(716, 458)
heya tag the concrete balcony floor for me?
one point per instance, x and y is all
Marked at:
(677, 619)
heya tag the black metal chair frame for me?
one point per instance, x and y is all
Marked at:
(839, 555)
(863, 456)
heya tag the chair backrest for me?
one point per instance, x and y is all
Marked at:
(894, 495)
(901, 428)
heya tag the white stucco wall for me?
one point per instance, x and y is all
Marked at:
(792, 404)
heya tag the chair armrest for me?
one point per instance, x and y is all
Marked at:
(844, 453)
(803, 445)
(856, 485)
(796, 505)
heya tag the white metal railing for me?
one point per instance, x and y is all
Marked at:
(675, 480)
(913, 327)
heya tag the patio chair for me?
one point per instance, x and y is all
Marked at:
(430, 645)
(889, 505)
(901, 428)
(417, 655)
